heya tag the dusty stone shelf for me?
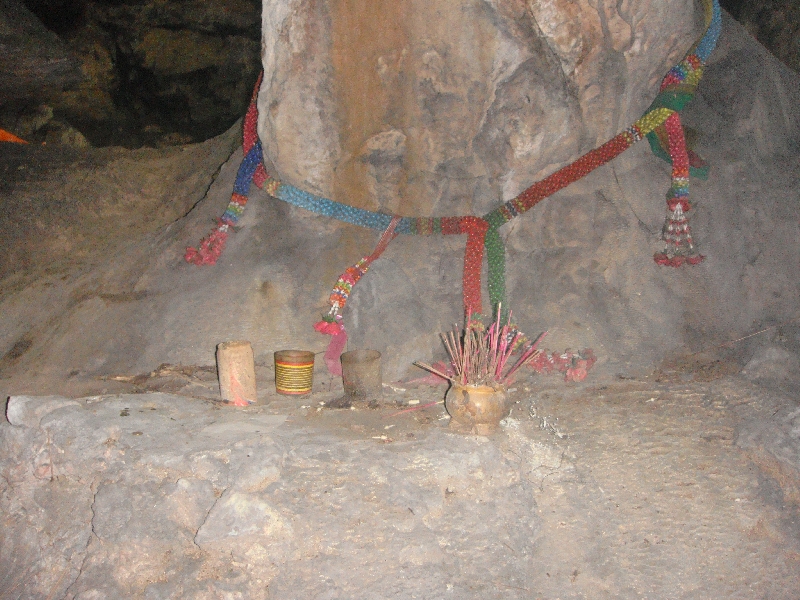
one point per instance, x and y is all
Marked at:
(617, 490)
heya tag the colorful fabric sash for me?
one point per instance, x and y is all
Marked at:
(660, 124)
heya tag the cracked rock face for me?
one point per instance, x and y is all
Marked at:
(642, 486)
(138, 492)
(159, 496)
(445, 108)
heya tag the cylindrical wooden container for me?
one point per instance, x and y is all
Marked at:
(361, 374)
(236, 372)
(294, 372)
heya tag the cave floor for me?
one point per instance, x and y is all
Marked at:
(677, 485)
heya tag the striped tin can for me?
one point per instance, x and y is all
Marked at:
(294, 372)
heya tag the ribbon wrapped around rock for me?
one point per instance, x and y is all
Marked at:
(660, 123)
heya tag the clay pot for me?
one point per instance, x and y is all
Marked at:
(477, 408)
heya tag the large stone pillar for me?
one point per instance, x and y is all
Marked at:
(448, 107)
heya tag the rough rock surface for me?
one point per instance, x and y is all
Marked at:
(92, 202)
(188, 66)
(140, 72)
(421, 108)
(127, 73)
(774, 23)
(680, 485)
(579, 264)
(671, 489)
(34, 63)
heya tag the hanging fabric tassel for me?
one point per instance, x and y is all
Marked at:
(677, 235)
(251, 169)
(679, 247)
(344, 286)
(333, 355)
(331, 323)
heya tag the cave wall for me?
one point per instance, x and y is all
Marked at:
(147, 73)
(110, 293)
(774, 23)
(141, 72)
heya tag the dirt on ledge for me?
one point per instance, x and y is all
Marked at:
(628, 489)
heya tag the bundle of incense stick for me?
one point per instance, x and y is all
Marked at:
(480, 355)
